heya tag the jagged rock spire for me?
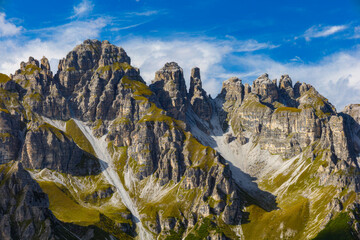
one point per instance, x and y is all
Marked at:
(195, 81)
(199, 100)
(286, 86)
(232, 90)
(45, 66)
(170, 88)
(265, 88)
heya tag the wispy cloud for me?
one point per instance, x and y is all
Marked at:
(356, 33)
(322, 31)
(83, 8)
(7, 28)
(337, 76)
(54, 43)
(115, 29)
(250, 46)
(208, 54)
(145, 13)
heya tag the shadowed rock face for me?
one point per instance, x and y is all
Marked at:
(25, 214)
(48, 148)
(10, 136)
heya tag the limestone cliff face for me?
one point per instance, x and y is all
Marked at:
(284, 123)
(139, 161)
(53, 125)
(48, 147)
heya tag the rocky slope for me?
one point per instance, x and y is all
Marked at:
(92, 152)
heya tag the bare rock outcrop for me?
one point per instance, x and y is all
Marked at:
(170, 88)
(198, 98)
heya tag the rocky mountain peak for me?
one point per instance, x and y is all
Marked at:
(195, 73)
(45, 65)
(195, 82)
(170, 88)
(264, 78)
(111, 54)
(92, 54)
(286, 90)
(197, 95)
(232, 90)
(285, 82)
(265, 88)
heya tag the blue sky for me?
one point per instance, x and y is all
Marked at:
(313, 41)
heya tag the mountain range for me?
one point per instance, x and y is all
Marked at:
(93, 152)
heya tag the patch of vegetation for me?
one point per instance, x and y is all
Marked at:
(4, 78)
(138, 88)
(98, 124)
(30, 69)
(287, 109)
(201, 156)
(78, 136)
(338, 228)
(252, 104)
(4, 136)
(120, 156)
(156, 114)
(175, 235)
(292, 217)
(111, 227)
(103, 69)
(121, 120)
(35, 96)
(70, 69)
(121, 65)
(47, 127)
(4, 110)
(206, 226)
(66, 208)
(175, 202)
(68, 197)
(114, 67)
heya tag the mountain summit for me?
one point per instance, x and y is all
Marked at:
(92, 152)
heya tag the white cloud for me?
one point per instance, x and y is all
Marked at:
(320, 31)
(337, 77)
(115, 29)
(151, 54)
(145, 13)
(54, 43)
(356, 33)
(83, 8)
(7, 28)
